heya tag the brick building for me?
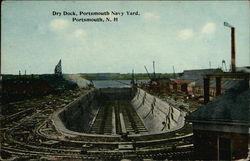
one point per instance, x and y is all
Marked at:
(221, 127)
(188, 76)
(180, 85)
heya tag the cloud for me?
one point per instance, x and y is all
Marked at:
(150, 15)
(66, 30)
(78, 34)
(41, 29)
(58, 25)
(185, 34)
(208, 28)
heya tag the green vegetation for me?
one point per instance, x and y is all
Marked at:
(11, 77)
(127, 76)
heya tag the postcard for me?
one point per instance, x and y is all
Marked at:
(125, 80)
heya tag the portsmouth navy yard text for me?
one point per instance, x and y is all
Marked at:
(95, 16)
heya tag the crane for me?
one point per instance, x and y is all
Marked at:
(147, 72)
(133, 77)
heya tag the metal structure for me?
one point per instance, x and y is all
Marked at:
(147, 72)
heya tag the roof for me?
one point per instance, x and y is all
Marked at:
(178, 81)
(198, 73)
(245, 69)
(232, 106)
(161, 79)
(225, 83)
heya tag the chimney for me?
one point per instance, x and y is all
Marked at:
(233, 67)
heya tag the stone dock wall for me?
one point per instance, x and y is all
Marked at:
(79, 115)
(158, 116)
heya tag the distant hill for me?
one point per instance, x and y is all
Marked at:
(125, 76)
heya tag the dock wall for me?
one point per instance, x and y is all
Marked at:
(116, 93)
(158, 116)
(79, 115)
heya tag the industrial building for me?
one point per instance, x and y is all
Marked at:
(196, 88)
(221, 127)
(188, 76)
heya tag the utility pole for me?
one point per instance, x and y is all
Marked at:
(154, 69)
(174, 72)
(133, 78)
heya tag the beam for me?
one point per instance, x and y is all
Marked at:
(218, 86)
(233, 50)
(229, 75)
(206, 89)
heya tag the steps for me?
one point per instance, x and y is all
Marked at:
(103, 122)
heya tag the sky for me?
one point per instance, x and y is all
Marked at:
(186, 35)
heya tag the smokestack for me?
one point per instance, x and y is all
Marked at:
(233, 67)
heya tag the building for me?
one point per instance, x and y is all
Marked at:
(196, 88)
(245, 69)
(197, 74)
(221, 127)
(188, 76)
(159, 85)
(180, 85)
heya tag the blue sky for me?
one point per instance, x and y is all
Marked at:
(186, 35)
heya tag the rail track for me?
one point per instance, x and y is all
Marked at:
(29, 133)
(103, 122)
